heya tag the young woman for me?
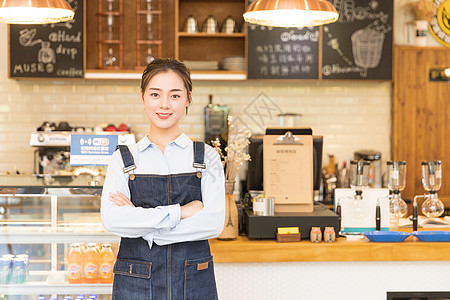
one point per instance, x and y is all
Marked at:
(165, 197)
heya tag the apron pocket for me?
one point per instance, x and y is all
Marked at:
(199, 279)
(132, 279)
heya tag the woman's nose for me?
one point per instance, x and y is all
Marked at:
(165, 103)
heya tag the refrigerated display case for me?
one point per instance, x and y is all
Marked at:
(42, 217)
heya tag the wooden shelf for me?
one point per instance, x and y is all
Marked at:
(110, 13)
(211, 35)
(147, 42)
(149, 12)
(209, 46)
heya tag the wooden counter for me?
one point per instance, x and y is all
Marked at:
(245, 250)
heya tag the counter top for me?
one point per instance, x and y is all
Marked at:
(244, 250)
(31, 182)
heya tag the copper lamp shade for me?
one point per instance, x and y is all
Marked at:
(35, 11)
(291, 13)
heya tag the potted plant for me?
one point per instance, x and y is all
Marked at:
(422, 11)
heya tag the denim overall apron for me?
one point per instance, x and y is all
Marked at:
(177, 271)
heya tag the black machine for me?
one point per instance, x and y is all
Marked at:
(255, 165)
(265, 227)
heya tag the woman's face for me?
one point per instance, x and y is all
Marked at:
(165, 100)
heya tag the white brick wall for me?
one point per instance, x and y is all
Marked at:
(350, 115)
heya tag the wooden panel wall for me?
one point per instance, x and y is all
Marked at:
(421, 115)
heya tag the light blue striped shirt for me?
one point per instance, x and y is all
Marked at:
(162, 225)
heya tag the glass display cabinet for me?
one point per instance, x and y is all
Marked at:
(41, 217)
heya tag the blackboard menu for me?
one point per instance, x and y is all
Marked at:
(282, 53)
(359, 44)
(49, 50)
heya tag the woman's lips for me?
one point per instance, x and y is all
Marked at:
(164, 115)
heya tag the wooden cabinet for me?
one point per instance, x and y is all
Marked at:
(421, 115)
(168, 38)
(202, 46)
(135, 40)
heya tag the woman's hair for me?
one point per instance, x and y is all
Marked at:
(163, 65)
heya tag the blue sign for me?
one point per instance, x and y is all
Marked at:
(92, 149)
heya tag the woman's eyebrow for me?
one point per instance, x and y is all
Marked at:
(172, 90)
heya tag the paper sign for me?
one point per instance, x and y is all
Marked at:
(92, 149)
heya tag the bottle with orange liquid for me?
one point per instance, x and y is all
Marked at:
(106, 264)
(91, 263)
(75, 264)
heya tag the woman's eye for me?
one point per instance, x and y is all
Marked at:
(154, 94)
(175, 96)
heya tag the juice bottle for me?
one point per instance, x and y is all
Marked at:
(106, 263)
(75, 264)
(91, 264)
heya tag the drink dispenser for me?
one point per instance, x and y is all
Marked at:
(396, 181)
(431, 181)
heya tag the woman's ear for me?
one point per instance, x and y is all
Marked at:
(142, 96)
(189, 99)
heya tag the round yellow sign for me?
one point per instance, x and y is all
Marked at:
(440, 22)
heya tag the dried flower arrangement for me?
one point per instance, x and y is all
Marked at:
(421, 9)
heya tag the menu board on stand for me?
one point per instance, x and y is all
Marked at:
(283, 53)
(49, 50)
(359, 44)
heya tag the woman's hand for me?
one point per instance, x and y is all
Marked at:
(120, 199)
(190, 209)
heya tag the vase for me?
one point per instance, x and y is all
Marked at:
(421, 32)
(231, 227)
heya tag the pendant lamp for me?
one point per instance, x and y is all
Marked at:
(35, 11)
(291, 13)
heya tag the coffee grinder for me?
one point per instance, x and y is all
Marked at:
(431, 181)
(216, 123)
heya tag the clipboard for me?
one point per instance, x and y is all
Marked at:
(288, 168)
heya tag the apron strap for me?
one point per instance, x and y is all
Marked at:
(199, 153)
(127, 158)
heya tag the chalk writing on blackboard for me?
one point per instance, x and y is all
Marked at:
(50, 50)
(355, 44)
(282, 52)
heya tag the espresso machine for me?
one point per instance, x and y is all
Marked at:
(216, 123)
(52, 153)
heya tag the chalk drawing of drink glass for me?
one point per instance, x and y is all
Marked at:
(46, 54)
(367, 45)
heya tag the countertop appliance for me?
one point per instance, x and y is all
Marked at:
(216, 123)
(265, 227)
(52, 156)
(375, 172)
(255, 165)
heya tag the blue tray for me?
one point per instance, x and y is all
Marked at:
(432, 236)
(386, 236)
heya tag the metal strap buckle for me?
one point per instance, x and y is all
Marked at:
(199, 166)
(128, 169)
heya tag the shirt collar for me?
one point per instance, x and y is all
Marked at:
(182, 141)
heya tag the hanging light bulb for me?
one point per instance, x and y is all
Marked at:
(35, 11)
(291, 13)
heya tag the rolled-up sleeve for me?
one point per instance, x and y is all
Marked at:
(128, 221)
(207, 223)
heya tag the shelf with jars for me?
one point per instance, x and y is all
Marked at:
(138, 33)
(40, 218)
(148, 31)
(110, 34)
(211, 35)
(153, 28)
